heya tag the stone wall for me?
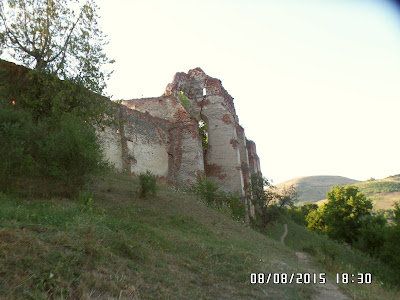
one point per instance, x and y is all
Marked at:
(160, 134)
(169, 147)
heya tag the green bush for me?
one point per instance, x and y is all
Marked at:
(85, 200)
(236, 205)
(47, 141)
(16, 132)
(371, 237)
(70, 152)
(206, 189)
(44, 96)
(148, 184)
(58, 157)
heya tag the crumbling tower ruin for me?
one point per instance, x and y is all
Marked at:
(161, 134)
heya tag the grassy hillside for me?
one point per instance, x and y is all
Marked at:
(119, 246)
(123, 247)
(383, 192)
(313, 188)
(334, 258)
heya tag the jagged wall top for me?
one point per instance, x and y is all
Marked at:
(192, 84)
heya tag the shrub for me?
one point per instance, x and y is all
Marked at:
(148, 184)
(44, 95)
(235, 203)
(16, 131)
(371, 237)
(57, 157)
(70, 153)
(270, 204)
(85, 200)
(206, 189)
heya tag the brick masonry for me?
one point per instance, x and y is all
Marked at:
(161, 135)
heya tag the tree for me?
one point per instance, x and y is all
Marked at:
(341, 216)
(396, 212)
(371, 238)
(390, 252)
(269, 204)
(287, 197)
(52, 37)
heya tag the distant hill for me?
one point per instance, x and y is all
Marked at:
(313, 188)
(383, 192)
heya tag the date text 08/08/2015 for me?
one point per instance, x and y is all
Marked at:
(308, 278)
(287, 278)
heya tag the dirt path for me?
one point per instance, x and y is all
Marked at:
(284, 234)
(327, 291)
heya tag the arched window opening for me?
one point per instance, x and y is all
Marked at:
(203, 134)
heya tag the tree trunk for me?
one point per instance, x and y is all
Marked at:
(40, 64)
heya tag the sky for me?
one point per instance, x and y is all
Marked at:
(315, 83)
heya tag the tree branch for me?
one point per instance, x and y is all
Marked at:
(12, 36)
(64, 48)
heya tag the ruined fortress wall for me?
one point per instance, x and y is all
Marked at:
(254, 160)
(139, 143)
(185, 153)
(170, 150)
(147, 140)
(160, 134)
(226, 159)
(222, 159)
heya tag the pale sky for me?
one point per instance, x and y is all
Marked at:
(315, 83)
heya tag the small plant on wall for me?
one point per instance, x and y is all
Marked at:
(184, 101)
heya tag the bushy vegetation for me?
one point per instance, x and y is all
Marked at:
(341, 216)
(148, 184)
(44, 96)
(346, 220)
(63, 156)
(347, 217)
(207, 190)
(338, 257)
(270, 205)
(16, 135)
(47, 130)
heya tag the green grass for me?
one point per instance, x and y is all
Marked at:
(120, 246)
(383, 192)
(332, 257)
(375, 187)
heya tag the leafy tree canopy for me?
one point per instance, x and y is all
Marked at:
(59, 36)
(341, 216)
